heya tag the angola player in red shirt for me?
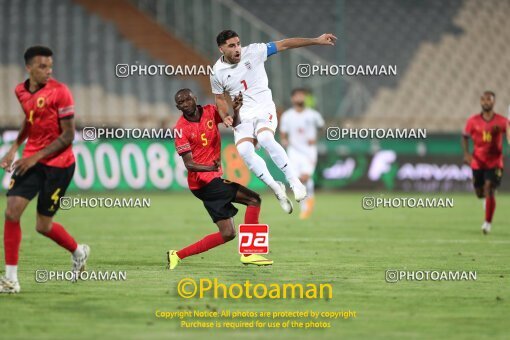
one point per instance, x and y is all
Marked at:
(200, 148)
(46, 167)
(486, 129)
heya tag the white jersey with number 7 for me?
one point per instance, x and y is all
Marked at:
(249, 77)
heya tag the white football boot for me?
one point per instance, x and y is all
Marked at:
(284, 201)
(9, 287)
(79, 262)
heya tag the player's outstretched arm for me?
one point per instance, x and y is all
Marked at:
(195, 167)
(63, 141)
(286, 44)
(7, 160)
(465, 147)
(222, 105)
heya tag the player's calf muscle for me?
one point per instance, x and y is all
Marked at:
(255, 200)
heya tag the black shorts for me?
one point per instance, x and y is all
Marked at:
(48, 181)
(218, 196)
(481, 175)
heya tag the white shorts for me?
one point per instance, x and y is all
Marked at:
(303, 163)
(248, 128)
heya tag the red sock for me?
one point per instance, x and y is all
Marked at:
(490, 206)
(58, 234)
(208, 242)
(252, 215)
(12, 240)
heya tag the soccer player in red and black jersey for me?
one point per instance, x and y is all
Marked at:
(46, 167)
(200, 148)
(487, 130)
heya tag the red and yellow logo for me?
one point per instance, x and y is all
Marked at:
(486, 136)
(40, 102)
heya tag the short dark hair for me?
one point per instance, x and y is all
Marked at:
(299, 89)
(491, 93)
(182, 91)
(223, 36)
(35, 51)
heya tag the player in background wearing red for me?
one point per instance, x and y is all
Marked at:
(200, 149)
(46, 167)
(487, 130)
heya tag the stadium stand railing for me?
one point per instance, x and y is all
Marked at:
(86, 49)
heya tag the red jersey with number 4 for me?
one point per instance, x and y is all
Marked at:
(487, 139)
(204, 141)
(43, 110)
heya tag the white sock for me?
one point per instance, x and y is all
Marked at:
(11, 272)
(303, 204)
(257, 165)
(78, 252)
(310, 186)
(278, 155)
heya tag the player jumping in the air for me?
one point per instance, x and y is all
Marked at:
(200, 149)
(46, 167)
(241, 69)
(298, 132)
(487, 130)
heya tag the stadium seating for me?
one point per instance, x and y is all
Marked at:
(447, 52)
(87, 49)
(441, 86)
(371, 32)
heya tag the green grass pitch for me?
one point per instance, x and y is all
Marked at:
(341, 244)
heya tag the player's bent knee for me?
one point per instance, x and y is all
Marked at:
(12, 213)
(255, 200)
(246, 149)
(43, 228)
(43, 224)
(488, 189)
(265, 138)
(228, 235)
(15, 207)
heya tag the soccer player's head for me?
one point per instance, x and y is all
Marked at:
(298, 97)
(39, 63)
(230, 46)
(487, 101)
(186, 101)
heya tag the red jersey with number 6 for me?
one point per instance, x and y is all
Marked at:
(203, 140)
(43, 110)
(487, 140)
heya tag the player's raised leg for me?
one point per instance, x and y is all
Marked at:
(246, 149)
(265, 136)
(227, 232)
(56, 232)
(12, 240)
(253, 203)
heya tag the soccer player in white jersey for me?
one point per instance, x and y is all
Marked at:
(241, 69)
(298, 132)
